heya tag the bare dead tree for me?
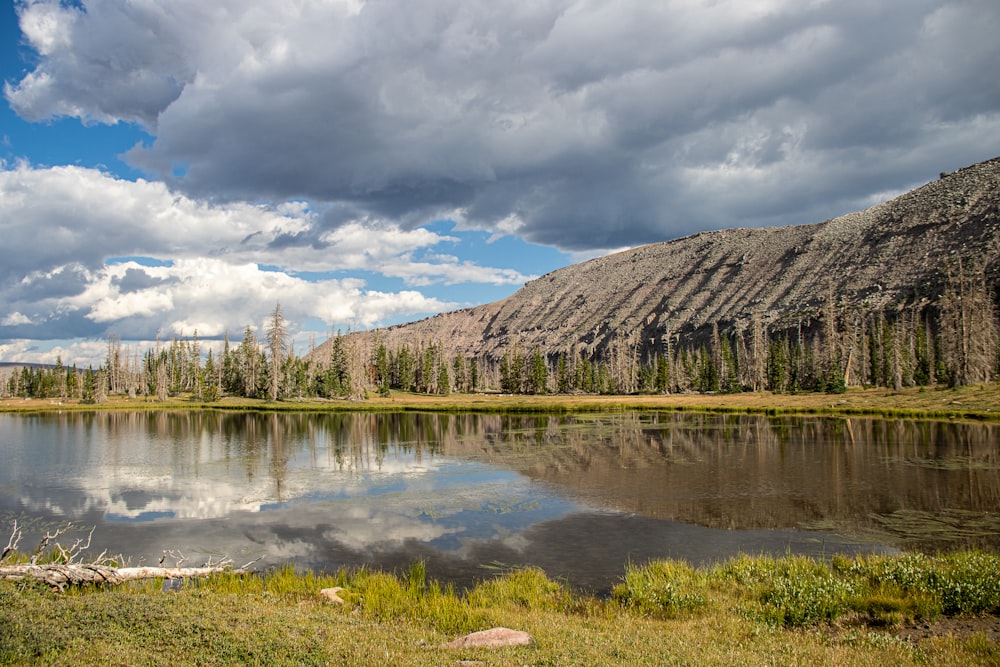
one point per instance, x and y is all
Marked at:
(277, 345)
(968, 328)
(758, 352)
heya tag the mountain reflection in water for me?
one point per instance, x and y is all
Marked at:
(578, 495)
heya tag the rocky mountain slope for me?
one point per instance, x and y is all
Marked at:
(888, 256)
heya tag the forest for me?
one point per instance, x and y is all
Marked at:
(952, 342)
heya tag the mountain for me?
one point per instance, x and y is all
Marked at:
(884, 259)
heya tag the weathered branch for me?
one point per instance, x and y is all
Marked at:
(12, 542)
(48, 537)
(73, 552)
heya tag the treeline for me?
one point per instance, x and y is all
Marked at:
(952, 342)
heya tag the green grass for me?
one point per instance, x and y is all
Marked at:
(748, 610)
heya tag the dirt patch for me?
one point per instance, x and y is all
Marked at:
(989, 626)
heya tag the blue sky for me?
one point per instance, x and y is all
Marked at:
(173, 166)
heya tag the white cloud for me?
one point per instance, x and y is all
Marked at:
(211, 296)
(14, 319)
(48, 26)
(137, 259)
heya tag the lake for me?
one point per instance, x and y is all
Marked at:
(471, 494)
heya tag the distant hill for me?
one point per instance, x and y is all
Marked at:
(4, 365)
(888, 258)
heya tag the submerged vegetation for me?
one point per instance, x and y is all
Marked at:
(747, 610)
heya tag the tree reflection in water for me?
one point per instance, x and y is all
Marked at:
(580, 495)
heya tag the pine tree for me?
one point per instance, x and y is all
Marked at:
(405, 368)
(539, 374)
(777, 367)
(511, 371)
(562, 375)
(89, 392)
(210, 390)
(443, 381)
(730, 380)
(460, 379)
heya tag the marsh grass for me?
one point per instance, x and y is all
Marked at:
(665, 588)
(886, 590)
(943, 526)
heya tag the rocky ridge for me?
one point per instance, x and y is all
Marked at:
(888, 256)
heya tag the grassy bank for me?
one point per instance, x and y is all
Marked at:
(750, 610)
(979, 402)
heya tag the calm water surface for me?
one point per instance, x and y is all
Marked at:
(580, 496)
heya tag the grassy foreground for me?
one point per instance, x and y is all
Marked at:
(749, 610)
(979, 402)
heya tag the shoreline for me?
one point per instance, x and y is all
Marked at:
(975, 402)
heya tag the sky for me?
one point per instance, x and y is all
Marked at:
(172, 168)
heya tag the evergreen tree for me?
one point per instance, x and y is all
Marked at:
(473, 375)
(539, 375)
(89, 392)
(729, 381)
(210, 389)
(777, 367)
(443, 381)
(562, 375)
(460, 379)
(662, 379)
(406, 368)
(708, 374)
(511, 371)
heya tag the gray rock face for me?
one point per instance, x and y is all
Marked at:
(887, 256)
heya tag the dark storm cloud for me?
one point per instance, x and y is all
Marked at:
(578, 124)
(70, 325)
(136, 280)
(67, 281)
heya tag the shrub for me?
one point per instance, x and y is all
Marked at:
(796, 601)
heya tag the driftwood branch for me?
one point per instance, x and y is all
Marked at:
(12, 542)
(68, 570)
(48, 537)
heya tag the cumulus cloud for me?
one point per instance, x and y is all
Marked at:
(593, 124)
(134, 258)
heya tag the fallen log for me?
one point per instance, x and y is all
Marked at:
(69, 570)
(60, 575)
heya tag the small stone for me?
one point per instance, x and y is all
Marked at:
(492, 638)
(331, 594)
